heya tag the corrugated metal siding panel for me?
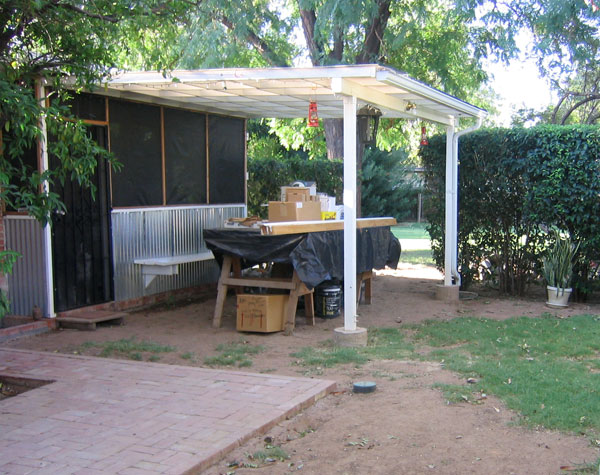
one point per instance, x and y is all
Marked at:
(145, 233)
(27, 282)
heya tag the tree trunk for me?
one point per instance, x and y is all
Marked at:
(370, 52)
(334, 135)
(360, 152)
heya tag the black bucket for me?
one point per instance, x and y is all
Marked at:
(328, 301)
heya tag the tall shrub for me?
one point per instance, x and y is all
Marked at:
(514, 184)
(267, 175)
(385, 191)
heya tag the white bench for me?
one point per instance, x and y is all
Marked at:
(153, 266)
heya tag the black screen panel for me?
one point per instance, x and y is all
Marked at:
(135, 142)
(185, 157)
(226, 142)
(88, 106)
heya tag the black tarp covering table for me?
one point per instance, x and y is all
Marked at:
(315, 256)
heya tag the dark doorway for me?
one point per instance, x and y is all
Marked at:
(81, 249)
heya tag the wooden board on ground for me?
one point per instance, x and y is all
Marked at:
(299, 227)
(87, 320)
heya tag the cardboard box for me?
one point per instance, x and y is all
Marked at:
(297, 194)
(308, 185)
(261, 312)
(294, 211)
(327, 202)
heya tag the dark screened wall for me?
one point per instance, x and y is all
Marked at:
(226, 146)
(135, 139)
(185, 157)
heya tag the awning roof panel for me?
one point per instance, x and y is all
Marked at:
(287, 92)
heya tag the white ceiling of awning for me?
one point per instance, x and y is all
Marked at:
(287, 92)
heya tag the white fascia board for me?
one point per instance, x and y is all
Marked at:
(372, 96)
(416, 87)
(183, 104)
(244, 74)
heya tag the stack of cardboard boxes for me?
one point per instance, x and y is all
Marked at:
(264, 312)
(302, 203)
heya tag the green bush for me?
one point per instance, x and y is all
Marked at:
(514, 185)
(267, 175)
(384, 190)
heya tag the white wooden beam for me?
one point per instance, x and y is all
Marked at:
(371, 95)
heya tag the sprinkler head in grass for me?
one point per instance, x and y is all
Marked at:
(364, 387)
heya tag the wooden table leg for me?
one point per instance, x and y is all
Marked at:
(221, 292)
(236, 266)
(309, 308)
(359, 281)
(368, 283)
(290, 310)
(365, 277)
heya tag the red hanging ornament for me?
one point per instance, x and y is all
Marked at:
(424, 140)
(313, 116)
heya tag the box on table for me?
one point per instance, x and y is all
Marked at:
(261, 312)
(327, 202)
(294, 211)
(328, 215)
(308, 185)
(297, 194)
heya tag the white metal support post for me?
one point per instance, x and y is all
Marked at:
(451, 206)
(349, 213)
(44, 164)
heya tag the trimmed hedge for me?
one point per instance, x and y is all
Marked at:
(515, 184)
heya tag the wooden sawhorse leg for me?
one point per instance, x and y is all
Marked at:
(298, 289)
(365, 277)
(309, 307)
(229, 263)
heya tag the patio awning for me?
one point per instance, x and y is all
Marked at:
(339, 92)
(286, 92)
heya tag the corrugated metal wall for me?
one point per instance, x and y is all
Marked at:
(27, 282)
(159, 232)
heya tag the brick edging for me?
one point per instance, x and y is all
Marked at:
(27, 329)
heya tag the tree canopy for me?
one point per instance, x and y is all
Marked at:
(45, 41)
(441, 42)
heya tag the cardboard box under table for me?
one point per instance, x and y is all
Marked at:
(261, 312)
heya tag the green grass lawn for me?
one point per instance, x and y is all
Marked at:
(417, 256)
(129, 347)
(406, 232)
(410, 231)
(546, 369)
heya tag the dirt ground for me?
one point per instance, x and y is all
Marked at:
(404, 427)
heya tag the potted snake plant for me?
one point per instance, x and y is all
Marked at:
(558, 270)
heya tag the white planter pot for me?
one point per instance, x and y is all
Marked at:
(558, 297)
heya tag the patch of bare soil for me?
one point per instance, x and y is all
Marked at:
(404, 427)
(11, 386)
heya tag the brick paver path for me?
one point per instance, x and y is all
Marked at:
(126, 417)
